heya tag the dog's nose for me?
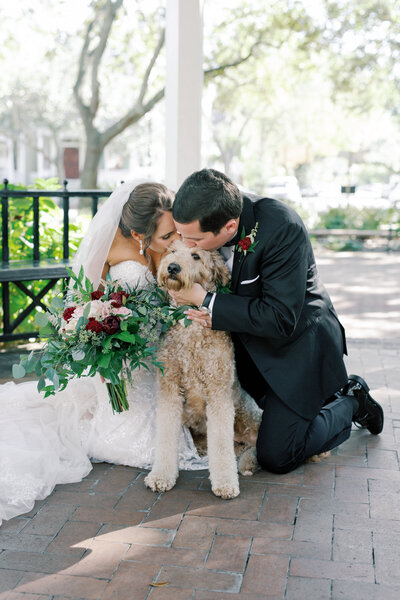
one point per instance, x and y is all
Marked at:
(173, 268)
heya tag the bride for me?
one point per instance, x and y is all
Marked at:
(44, 442)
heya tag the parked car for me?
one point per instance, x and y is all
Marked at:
(284, 188)
(308, 192)
(394, 193)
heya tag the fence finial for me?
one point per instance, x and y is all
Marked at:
(5, 181)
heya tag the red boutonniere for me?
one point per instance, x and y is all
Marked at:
(246, 243)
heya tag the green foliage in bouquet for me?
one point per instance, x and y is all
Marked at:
(111, 332)
(21, 239)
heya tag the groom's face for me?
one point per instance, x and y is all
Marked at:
(193, 236)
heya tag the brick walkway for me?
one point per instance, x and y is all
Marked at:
(329, 530)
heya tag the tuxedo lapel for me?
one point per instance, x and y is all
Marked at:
(247, 222)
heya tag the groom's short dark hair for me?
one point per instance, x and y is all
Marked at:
(210, 197)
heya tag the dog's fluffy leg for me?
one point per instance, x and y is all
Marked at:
(247, 422)
(165, 470)
(221, 454)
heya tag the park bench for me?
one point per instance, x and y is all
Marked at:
(17, 271)
(359, 235)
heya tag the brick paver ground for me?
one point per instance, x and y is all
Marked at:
(327, 531)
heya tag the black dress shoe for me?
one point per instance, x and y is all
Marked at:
(369, 413)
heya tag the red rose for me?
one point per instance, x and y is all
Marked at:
(68, 312)
(118, 298)
(110, 325)
(245, 243)
(96, 295)
(94, 325)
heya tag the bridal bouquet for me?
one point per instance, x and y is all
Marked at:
(110, 332)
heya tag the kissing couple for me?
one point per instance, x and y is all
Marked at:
(289, 343)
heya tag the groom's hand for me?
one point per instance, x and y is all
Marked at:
(194, 295)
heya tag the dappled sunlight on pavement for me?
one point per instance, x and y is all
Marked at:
(365, 290)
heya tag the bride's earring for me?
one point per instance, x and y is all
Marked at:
(141, 247)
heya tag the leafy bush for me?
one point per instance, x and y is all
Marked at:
(20, 235)
(355, 218)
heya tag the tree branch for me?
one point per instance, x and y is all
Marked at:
(149, 68)
(82, 66)
(132, 116)
(139, 109)
(215, 71)
(110, 11)
(88, 112)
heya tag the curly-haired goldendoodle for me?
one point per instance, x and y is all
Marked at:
(199, 387)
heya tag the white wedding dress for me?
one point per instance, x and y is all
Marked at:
(44, 442)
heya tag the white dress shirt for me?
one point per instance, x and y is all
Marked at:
(227, 253)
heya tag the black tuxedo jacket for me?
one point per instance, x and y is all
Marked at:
(280, 311)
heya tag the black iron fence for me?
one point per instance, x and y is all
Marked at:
(17, 270)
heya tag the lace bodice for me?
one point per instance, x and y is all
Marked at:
(132, 274)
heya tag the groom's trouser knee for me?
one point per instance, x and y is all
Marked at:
(286, 440)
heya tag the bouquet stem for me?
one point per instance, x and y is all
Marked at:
(117, 395)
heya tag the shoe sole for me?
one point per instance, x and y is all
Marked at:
(365, 386)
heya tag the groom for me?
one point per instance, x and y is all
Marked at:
(289, 343)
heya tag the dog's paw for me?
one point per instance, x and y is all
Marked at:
(247, 463)
(226, 491)
(159, 482)
(319, 457)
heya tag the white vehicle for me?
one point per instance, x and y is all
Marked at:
(284, 188)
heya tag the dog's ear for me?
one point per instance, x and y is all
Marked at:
(219, 272)
(225, 276)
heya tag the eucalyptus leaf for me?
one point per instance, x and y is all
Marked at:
(46, 331)
(41, 319)
(18, 371)
(78, 354)
(50, 374)
(57, 303)
(86, 311)
(56, 381)
(81, 322)
(41, 383)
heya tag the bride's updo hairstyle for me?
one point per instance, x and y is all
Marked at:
(142, 211)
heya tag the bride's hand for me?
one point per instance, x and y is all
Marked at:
(194, 295)
(200, 316)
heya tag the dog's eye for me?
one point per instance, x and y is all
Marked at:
(196, 256)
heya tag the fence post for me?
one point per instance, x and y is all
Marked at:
(66, 221)
(36, 247)
(4, 223)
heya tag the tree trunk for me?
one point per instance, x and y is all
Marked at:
(90, 169)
